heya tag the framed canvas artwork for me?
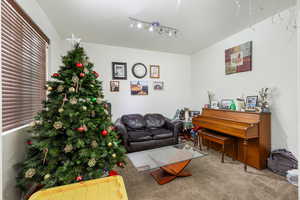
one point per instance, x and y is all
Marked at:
(154, 71)
(119, 70)
(114, 86)
(158, 85)
(139, 88)
(239, 58)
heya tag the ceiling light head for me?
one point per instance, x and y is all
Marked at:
(170, 33)
(151, 28)
(139, 25)
(131, 25)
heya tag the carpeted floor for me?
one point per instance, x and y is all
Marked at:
(211, 180)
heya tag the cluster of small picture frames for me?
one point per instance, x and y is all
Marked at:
(139, 71)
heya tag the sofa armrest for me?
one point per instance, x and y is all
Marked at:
(122, 130)
(175, 126)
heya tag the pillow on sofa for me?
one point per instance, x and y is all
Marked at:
(154, 120)
(133, 121)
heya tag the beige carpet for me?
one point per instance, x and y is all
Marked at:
(211, 180)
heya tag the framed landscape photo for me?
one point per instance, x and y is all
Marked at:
(158, 85)
(251, 102)
(139, 88)
(114, 86)
(119, 70)
(154, 71)
(225, 103)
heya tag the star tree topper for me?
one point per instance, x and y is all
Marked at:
(74, 40)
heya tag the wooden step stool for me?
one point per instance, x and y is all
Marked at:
(217, 138)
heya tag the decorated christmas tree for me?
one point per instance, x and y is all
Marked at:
(72, 138)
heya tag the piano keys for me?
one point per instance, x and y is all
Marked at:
(251, 130)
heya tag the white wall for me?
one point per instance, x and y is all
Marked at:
(274, 65)
(175, 72)
(14, 142)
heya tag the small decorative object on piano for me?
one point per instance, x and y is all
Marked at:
(240, 104)
(214, 104)
(226, 103)
(211, 96)
(265, 97)
(251, 102)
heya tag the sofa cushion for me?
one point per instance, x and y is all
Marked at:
(160, 133)
(154, 120)
(139, 135)
(133, 121)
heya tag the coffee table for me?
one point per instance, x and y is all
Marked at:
(168, 161)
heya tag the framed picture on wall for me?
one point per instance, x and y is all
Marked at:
(114, 86)
(119, 70)
(154, 71)
(139, 88)
(158, 85)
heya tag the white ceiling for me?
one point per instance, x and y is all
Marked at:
(200, 22)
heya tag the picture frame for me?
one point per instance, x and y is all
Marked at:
(251, 102)
(119, 70)
(154, 71)
(139, 88)
(214, 104)
(225, 103)
(114, 86)
(158, 85)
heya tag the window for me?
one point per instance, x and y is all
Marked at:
(24, 55)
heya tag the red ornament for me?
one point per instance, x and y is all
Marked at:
(55, 75)
(120, 164)
(29, 142)
(96, 74)
(79, 65)
(104, 132)
(79, 178)
(81, 129)
(112, 173)
(82, 74)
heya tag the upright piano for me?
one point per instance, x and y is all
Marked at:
(251, 130)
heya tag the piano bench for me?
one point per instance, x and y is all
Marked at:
(216, 138)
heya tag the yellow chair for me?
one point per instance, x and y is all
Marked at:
(110, 188)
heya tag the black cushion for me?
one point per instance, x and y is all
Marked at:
(161, 133)
(140, 139)
(154, 120)
(137, 134)
(133, 121)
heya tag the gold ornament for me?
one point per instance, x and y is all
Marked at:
(84, 108)
(47, 176)
(94, 144)
(92, 162)
(57, 125)
(73, 101)
(30, 173)
(75, 79)
(71, 89)
(33, 124)
(86, 70)
(60, 110)
(114, 155)
(60, 88)
(109, 144)
(39, 122)
(68, 148)
(99, 100)
(49, 88)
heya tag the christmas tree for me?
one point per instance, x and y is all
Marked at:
(72, 138)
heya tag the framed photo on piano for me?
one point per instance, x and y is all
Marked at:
(251, 103)
(226, 103)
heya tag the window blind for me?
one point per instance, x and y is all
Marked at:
(24, 54)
